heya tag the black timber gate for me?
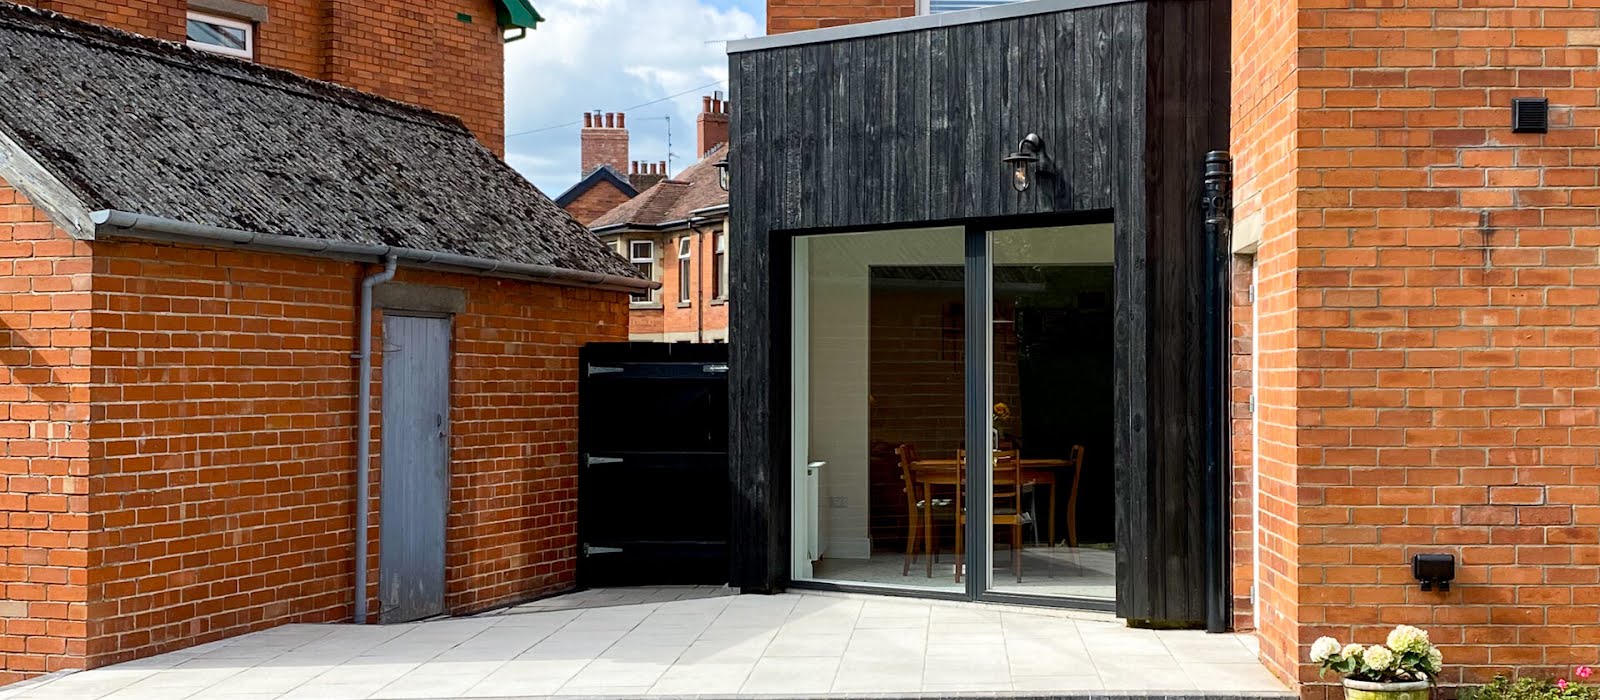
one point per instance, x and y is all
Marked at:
(653, 505)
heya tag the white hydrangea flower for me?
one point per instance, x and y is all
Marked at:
(1378, 658)
(1323, 649)
(1407, 639)
(1435, 660)
(1352, 651)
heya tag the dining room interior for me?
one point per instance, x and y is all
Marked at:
(881, 401)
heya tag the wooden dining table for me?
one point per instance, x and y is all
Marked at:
(942, 472)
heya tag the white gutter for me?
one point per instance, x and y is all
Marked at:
(142, 226)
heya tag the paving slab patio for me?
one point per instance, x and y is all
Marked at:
(697, 642)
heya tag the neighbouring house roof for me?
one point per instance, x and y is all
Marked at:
(604, 173)
(671, 201)
(132, 124)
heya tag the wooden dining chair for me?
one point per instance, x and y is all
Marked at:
(1006, 486)
(920, 505)
(1075, 459)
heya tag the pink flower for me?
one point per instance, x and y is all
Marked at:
(1585, 671)
(1561, 683)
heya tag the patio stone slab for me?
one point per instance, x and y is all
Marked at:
(701, 643)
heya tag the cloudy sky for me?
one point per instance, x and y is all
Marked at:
(613, 55)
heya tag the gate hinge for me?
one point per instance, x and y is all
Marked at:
(590, 550)
(591, 461)
(715, 369)
(593, 370)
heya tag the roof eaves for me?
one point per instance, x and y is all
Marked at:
(603, 173)
(141, 226)
(47, 192)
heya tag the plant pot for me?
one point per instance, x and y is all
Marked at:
(1370, 690)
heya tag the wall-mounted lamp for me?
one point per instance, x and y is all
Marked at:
(1435, 571)
(722, 173)
(1029, 154)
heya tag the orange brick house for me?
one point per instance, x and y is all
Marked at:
(188, 266)
(676, 232)
(1414, 320)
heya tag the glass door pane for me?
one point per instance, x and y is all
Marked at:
(878, 352)
(1051, 348)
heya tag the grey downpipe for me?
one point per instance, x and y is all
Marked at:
(160, 229)
(364, 430)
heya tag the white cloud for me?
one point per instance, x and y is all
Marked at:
(611, 55)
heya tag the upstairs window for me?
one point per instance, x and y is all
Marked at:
(719, 272)
(643, 256)
(229, 37)
(685, 274)
(933, 7)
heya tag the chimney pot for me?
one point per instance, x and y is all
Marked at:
(611, 120)
(663, 167)
(588, 120)
(622, 120)
(705, 103)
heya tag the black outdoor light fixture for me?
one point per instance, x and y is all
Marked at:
(722, 173)
(1435, 571)
(1029, 154)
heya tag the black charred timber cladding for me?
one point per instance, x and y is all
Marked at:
(897, 129)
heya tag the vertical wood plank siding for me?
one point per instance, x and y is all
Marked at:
(910, 127)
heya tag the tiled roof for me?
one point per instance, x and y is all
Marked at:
(673, 199)
(151, 127)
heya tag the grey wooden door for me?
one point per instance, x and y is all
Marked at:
(415, 468)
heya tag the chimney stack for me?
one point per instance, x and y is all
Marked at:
(711, 127)
(603, 141)
(646, 174)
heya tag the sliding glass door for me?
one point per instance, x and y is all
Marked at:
(951, 417)
(1050, 345)
(878, 390)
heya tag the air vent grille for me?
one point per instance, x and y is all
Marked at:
(1530, 115)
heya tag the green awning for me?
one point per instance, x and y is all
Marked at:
(513, 14)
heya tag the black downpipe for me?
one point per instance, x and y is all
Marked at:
(1218, 205)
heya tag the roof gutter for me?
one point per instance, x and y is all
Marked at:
(699, 217)
(154, 228)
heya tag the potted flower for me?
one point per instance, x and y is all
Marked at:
(1403, 668)
(1002, 414)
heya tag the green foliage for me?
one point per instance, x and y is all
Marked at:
(1503, 688)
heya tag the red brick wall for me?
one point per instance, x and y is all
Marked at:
(1263, 145)
(513, 493)
(795, 15)
(600, 199)
(1243, 444)
(44, 526)
(417, 52)
(1443, 390)
(196, 482)
(222, 444)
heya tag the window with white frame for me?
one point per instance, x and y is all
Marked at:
(685, 270)
(222, 35)
(719, 272)
(643, 256)
(932, 7)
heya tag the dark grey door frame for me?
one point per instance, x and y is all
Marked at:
(979, 317)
